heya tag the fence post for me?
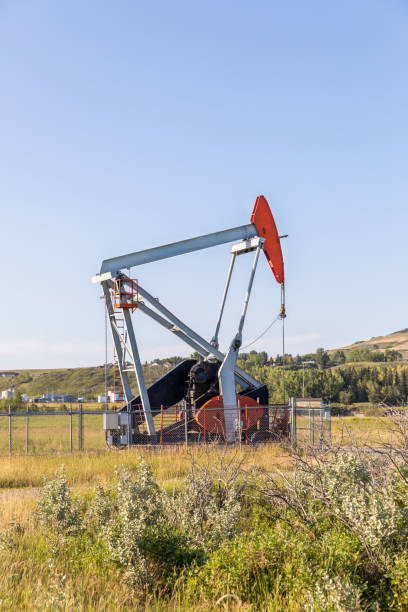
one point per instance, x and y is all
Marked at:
(321, 425)
(313, 427)
(185, 423)
(10, 441)
(129, 425)
(330, 429)
(246, 424)
(239, 423)
(328, 412)
(293, 433)
(161, 424)
(27, 427)
(80, 441)
(70, 427)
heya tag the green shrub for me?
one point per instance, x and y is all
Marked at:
(57, 511)
(208, 508)
(276, 561)
(133, 523)
(333, 536)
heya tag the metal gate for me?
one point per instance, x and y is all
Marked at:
(310, 422)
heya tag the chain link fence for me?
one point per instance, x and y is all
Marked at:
(79, 427)
(310, 422)
(76, 427)
(180, 425)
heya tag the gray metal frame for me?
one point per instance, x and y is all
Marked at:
(117, 339)
(214, 340)
(116, 264)
(229, 373)
(227, 370)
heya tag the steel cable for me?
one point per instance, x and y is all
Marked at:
(261, 335)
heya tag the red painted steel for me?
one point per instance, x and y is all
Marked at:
(210, 417)
(264, 222)
(126, 293)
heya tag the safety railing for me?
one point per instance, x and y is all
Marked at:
(182, 425)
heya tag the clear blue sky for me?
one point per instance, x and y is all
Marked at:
(126, 125)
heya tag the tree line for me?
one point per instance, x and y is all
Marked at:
(347, 384)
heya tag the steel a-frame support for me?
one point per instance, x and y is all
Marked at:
(124, 346)
(117, 341)
(227, 370)
(189, 336)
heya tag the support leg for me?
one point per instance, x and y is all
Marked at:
(214, 340)
(226, 374)
(139, 372)
(117, 341)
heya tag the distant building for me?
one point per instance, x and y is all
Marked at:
(53, 398)
(7, 394)
(8, 374)
(114, 397)
(102, 399)
(25, 397)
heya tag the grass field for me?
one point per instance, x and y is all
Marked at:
(21, 474)
(51, 434)
(36, 571)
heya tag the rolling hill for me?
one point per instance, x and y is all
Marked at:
(85, 382)
(397, 341)
(90, 382)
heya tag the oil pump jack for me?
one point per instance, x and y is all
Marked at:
(207, 386)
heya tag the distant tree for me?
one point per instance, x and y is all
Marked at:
(18, 402)
(322, 358)
(373, 392)
(338, 357)
(308, 357)
(345, 397)
(392, 355)
(364, 354)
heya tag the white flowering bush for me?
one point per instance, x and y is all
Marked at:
(207, 509)
(350, 489)
(333, 595)
(331, 534)
(10, 534)
(57, 510)
(101, 509)
(127, 523)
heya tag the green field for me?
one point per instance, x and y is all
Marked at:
(51, 434)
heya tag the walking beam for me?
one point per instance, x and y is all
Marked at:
(115, 264)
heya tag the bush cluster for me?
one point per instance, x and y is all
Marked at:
(332, 536)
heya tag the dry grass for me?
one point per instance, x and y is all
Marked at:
(24, 571)
(21, 475)
(362, 430)
(170, 464)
